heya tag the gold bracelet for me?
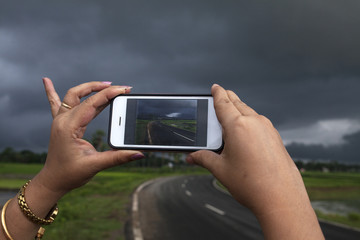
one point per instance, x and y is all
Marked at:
(3, 223)
(39, 234)
(29, 214)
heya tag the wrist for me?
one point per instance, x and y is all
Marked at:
(37, 202)
(291, 223)
(288, 214)
(41, 188)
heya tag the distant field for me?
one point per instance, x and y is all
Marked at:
(188, 125)
(99, 209)
(338, 188)
(140, 131)
(332, 186)
(15, 168)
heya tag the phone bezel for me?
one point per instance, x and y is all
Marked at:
(213, 131)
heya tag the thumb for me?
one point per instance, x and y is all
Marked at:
(114, 158)
(207, 159)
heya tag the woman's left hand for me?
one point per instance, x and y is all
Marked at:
(72, 161)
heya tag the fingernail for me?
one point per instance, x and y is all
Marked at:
(106, 82)
(126, 87)
(216, 85)
(189, 159)
(137, 156)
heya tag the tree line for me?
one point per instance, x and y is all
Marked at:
(152, 160)
(10, 155)
(158, 160)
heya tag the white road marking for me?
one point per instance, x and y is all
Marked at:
(135, 211)
(216, 186)
(184, 137)
(188, 193)
(214, 209)
(148, 132)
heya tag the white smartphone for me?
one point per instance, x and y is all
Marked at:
(164, 122)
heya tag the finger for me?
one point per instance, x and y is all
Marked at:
(206, 159)
(52, 96)
(240, 105)
(225, 110)
(74, 95)
(112, 158)
(93, 105)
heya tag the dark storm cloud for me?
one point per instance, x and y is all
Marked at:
(296, 62)
(347, 152)
(151, 108)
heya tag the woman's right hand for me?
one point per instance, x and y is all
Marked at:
(255, 166)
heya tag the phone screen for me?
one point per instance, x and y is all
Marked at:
(170, 122)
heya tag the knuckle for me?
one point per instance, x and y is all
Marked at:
(222, 100)
(52, 102)
(71, 91)
(229, 92)
(264, 120)
(89, 101)
(238, 102)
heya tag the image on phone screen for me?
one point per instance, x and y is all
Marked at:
(171, 122)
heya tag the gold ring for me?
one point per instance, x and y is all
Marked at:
(65, 105)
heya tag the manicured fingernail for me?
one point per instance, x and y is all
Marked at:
(137, 156)
(106, 82)
(189, 159)
(126, 87)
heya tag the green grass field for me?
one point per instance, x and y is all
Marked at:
(141, 131)
(339, 188)
(99, 209)
(188, 125)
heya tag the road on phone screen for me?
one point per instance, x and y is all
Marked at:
(190, 207)
(162, 134)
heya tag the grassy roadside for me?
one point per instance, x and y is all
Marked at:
(342, 189)
(337, 188)
(97, 210)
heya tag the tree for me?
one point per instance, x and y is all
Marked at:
(8, 155)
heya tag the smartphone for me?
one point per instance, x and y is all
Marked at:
(164, 123)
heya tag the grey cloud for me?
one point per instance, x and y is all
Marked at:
(348, 152)
(293, 61)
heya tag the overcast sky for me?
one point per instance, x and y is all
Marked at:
(182, 109)
(296, 62)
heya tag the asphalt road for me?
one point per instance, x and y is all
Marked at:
(162, 134)
(189, 207)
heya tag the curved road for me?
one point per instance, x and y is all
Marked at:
(189, 207)
(162, 134)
